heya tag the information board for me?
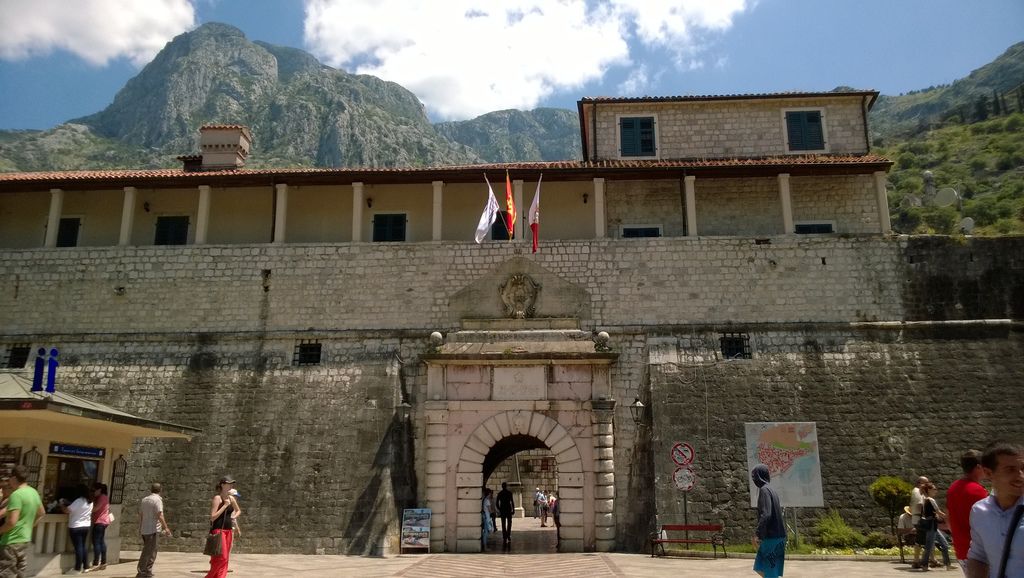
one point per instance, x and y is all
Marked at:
(416, 528)
(790, 451)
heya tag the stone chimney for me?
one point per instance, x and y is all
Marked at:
(223, 146)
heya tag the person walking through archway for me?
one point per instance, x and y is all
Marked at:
(506, 507)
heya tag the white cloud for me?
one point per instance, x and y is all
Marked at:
(95, 30)
(463, 58)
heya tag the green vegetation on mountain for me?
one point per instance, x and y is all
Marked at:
(543, 134)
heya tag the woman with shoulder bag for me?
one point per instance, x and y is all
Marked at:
(79, 520)
(931, 515)
(223, 510)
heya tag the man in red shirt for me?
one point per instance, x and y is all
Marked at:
(962, 494)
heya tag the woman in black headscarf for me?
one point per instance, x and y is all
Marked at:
(770, 537)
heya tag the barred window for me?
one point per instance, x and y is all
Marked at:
(735, 345)
(307, 353)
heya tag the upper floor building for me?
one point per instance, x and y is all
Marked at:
(752, 165)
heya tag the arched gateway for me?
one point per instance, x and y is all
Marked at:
(491, 394)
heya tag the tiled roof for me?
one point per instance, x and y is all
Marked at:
(452, 173)
(750, 96)
(222, 126)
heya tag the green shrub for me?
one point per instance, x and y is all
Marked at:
(891, 494)
(834, 532)
(879, 540)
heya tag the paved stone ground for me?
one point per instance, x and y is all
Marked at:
(182, 565)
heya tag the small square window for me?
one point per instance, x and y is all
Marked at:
(735, 345)
(804, 130)
(307, 353)
(637, 136)
(17, 355)
(171, 230)
(389, 227)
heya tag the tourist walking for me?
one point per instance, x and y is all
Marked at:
(770, 537)
(544, 510)
(101, 519)
(486, 521)
(960, 498)
(506, 507)
(79, 520)
(555, 505)
(916, 504)
(494, 511)
(931, 515)
(24, 509)
(536, 502)
(223, 510)
(151, 524)
(996, 521)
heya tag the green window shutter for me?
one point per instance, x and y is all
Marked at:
(813, 134)
(804, 130)
(645, 136)
(629, 139)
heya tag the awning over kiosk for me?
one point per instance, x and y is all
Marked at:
(62, 416)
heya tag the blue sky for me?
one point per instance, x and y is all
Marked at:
(466, 57)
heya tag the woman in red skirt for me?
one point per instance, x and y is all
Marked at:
(223, 510)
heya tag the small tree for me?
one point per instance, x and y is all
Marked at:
(892, 494)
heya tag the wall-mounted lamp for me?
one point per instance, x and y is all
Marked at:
(369, 202)
(585, 197)
(145, 206)
(637, 411)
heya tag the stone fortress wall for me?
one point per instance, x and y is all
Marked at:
(205, 336)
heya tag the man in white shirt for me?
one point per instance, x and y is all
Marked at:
(916, 504)
(151, 524)
(991, 518)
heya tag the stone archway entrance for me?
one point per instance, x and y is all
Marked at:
(489, 386)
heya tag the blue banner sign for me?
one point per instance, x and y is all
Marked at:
(77, 451)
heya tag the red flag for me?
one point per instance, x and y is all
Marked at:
(510, 204)
(534, 215)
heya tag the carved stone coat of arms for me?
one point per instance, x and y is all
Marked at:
(519, 296)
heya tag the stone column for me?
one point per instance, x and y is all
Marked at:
(517, 194)
(604, 474)
(53, 221)
(357, 212)
(438, 192)
(691, 205)
(127, 216)
(883, 203)
(436, 475)
(599, 224)
(787, 205)
(280, 213)
(203, 214)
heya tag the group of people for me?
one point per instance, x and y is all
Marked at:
(224, 513)
(503, 506)
(21, 509)
(89, 513)
(987, 530)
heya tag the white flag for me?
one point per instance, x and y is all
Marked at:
(489, 215)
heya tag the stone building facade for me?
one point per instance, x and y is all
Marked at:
(304, 350)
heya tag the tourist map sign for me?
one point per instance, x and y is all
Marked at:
(790, 451)
(416, 528)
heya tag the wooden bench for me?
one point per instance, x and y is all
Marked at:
(716, 538)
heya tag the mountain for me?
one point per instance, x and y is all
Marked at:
(543, 134)
(918, 110)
